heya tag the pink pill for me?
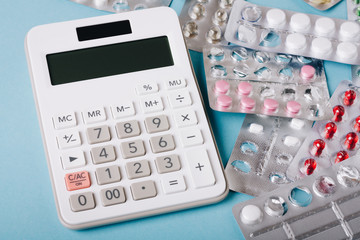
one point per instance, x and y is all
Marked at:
(244, 88)
(221, 87)
(307, 72)
(247, 103)
(270, 105)
(223, 101)
(293, 107)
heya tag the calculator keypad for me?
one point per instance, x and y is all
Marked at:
(128, 129)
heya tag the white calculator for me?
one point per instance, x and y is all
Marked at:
(122, 119)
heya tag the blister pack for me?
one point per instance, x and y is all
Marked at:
(118, 6)
(204, 21)
(284, 31)
(323, 206)
(248, 81)
(322, 4)
(262, 152)
(353, 8)
(333, 141)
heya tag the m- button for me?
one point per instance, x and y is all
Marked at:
(65, 120)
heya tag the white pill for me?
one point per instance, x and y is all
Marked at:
(321, 45)
(251, 214)
(300, 22)
(256, 128)
(346, 50)
(349, 29)
(291, 141)
(297, 123)
(324, 26)
(275, 17)
(101, 3)
(296, 41)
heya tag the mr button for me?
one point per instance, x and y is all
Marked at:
(77, 180)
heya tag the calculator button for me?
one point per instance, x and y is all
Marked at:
(98, 134)
(73, 159)
(168, 163)
(200, 168)
(138, 169)
(103, 154)
(128, 129)
(173, 183)
(82, 201)
(146, 88)
(66, 120)
(94, 115)
(112, 196)
(185, 118)
(157, 124)
(142, 190)
(69, 140)
(125, 109)
(162, 143)
(77, 180)
(175, 84)
(191, 137)
(106, 175)
(152, 104)
(132, 149)
(180, 98)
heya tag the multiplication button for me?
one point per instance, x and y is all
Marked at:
(69, 139)
(151, 104)
(200, 167)
(191, 137)
(180, 98)
(185, 118)
(66, 120)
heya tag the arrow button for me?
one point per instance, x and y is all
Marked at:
(73, 159)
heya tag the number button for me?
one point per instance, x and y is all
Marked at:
(128, 129)
(138, 169)
(103, 154)
(82, 201)
(66, 120)
(77, 180)
(168, 163)
(132, 149)
(142, 190)
(69, 140)
(106, 175)
(162, 143)
(112, 196)
(157, 124)
(185, 118)
(180, 98)
(98, 134)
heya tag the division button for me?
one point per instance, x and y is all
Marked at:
(180, 98)
(142, 190)
(200, 167)
(82, 201)
(73, 159)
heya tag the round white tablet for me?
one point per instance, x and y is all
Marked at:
(300, 22)
(321, 45)
(324, 26)
(275, 17)
(295, 41)
(346, 50)
(349, 29)
(251, 215)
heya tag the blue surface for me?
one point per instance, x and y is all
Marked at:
(27, 206)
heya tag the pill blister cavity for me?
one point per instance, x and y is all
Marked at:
(324, 26)
(276, 17)
(314, 110)
(256, 128)
(226, 3)
(300, 22)
(275, 206)
(267, 92)
(308, 166)
(318, 147)
(341, 156)
(348, 176)
(223, 102)
(305, 60)
(249, 148)
(283, 58)
(261, 57)
(263, 73)
(349, 30)
(121, 6)
(251, 14)
(286, 74)
(247, 103)
(321, 46)
(218, 71)
(240, 54)
(346, 50)
(244, 88)
(251, 214)
(269, 38)
(241, 71)
(300, 196)
(270, 105)
(307, 72)
(293, 108)
(330, 130)
(241, 166)
(221, 87)
(288, 94)
(278, 178)
(291, 141)
(284, 158)
(197, 11)
(357, 124)
(190, 29)
(220, 17)
(214, 34)
(339, 112)
(351, 140)
(324, 186)
(349, 97)
(140, 7)
(295, 41)
(216, 54)
(297, 123)
(246, 33)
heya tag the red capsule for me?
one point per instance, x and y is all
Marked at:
(357, 124)
(351, 140)
(330, 130)
(349, 97)
(309, 166)
(318, 147)
(339, 112)
(341, 156)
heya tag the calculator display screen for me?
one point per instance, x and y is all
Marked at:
(108, 60)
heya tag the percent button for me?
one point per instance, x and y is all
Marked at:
(146, 88)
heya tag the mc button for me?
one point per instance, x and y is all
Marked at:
(65, 120)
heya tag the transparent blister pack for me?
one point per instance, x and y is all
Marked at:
(249, 81)
(263, 151)
(332, 141)
(323, 206)
(353, 9)
(118, 6)
(204, 21)
(355, 73)
(284, 31)
(322, 4)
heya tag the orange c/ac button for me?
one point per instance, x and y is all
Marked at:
(77, 180)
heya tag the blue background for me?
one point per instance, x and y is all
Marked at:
(27, 209)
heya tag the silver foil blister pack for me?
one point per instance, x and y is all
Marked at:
(263, 151)
(204, 21)
(332, 141)
(118, 6)
(322, 4)
(323, 206)
(284, 31)
(249, 81)
(353, 10)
